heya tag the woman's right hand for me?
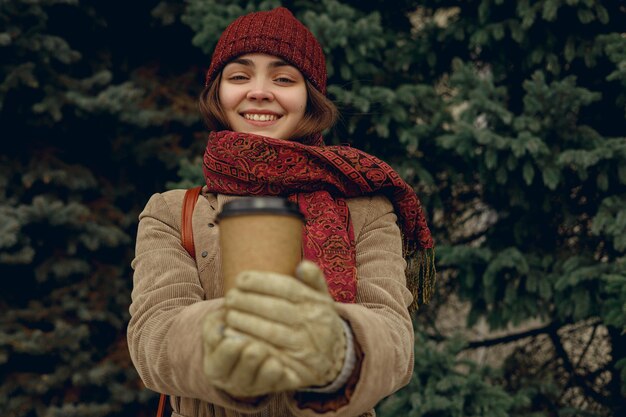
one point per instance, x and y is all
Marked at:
(239, 364)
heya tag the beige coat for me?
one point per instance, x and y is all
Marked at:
(173, 293)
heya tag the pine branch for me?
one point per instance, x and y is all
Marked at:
(584, 352)
(569, 367)
(508, 338)
(594, 374)
(465, 240)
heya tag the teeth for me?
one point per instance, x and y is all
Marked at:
(260, 117)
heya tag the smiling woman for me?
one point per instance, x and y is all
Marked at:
(264, 95)
(320, 113)
(336, 335)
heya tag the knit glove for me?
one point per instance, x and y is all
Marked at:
(239, 364)
(296, 318)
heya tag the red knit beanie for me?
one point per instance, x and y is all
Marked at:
(276, 32)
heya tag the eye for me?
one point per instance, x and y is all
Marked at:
(237, 77)
(284, 80)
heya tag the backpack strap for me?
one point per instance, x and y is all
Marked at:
(186, 227)
(186, 238)
(161, 408)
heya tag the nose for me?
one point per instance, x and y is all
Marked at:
(260, 92)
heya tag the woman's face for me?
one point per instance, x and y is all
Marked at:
(263, 95)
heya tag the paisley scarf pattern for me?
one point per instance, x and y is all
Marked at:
(319, 179)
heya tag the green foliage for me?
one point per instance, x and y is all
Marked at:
(446, 386)
(87, 137)
(508, 117)
(540, 131)
(190, 172)
(208, 19)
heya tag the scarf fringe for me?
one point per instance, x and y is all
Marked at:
(421, 276)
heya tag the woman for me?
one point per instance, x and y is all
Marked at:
(337, 339)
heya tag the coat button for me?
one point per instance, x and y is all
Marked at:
(205, 254)
(211, 224)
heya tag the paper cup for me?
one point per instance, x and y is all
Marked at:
(259, 233)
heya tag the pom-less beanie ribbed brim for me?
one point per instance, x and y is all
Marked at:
(276, 32)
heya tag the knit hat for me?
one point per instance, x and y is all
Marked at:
(276, 32)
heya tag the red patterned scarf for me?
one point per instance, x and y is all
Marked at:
(319, 179)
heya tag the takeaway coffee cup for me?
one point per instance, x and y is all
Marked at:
(259, 233)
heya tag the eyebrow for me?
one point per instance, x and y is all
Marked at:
(249, 63)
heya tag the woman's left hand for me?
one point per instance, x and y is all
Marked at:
(239, 364)
(296, 317)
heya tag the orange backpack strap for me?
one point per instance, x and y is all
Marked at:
(186, 227)
(161, 406)
(186, 238)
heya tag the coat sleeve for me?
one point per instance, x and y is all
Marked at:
(167, 311)
(379, 319)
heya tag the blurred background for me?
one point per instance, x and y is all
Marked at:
(508, 118)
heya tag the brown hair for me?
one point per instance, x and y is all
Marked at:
(320, 113)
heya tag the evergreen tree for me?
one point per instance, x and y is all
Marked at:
(445, 385)
(91, 126)
(538, 92)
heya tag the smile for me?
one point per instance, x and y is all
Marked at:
(260, 117)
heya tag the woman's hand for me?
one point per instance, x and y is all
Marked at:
(239, 364)
(294, 318)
